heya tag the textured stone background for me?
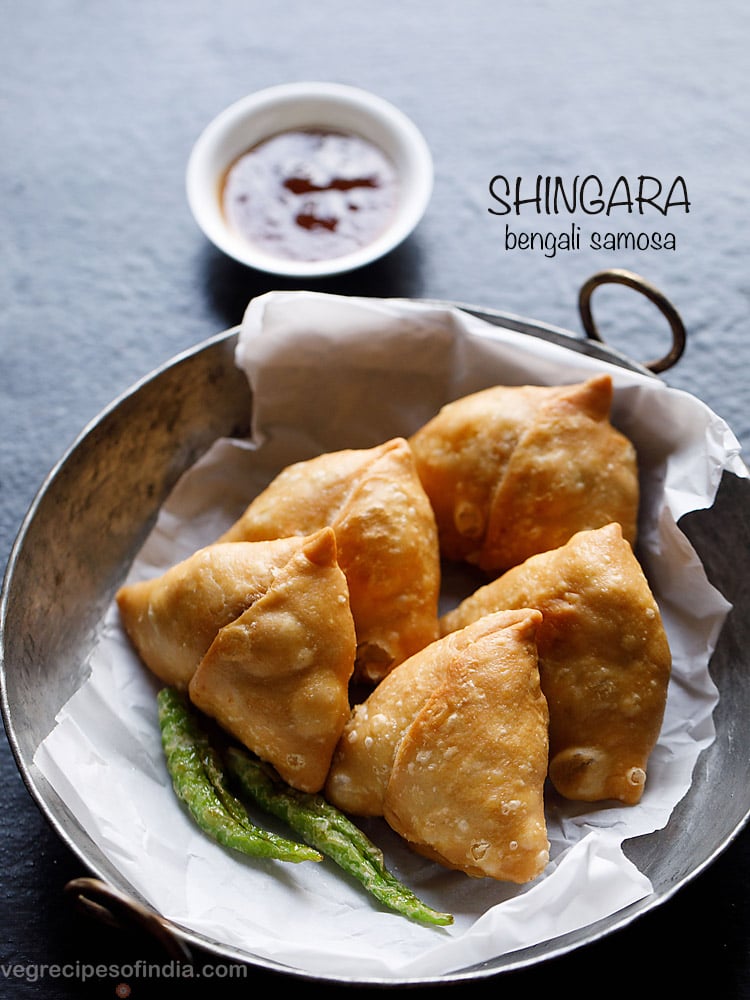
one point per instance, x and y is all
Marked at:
(105, 276)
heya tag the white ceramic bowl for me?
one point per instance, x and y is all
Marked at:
(307, 105)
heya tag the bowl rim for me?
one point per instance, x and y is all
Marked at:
(323, 103)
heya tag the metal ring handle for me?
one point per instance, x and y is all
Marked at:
(619, 276)
(115, 908)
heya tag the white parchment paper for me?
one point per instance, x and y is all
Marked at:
(326, 373)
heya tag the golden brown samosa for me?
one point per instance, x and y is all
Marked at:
(173, 618)
(277, 677)
(604, 659)
(451, 748)
(386, 540)
(516, 470)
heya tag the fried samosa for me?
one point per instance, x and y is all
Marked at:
(516, 470)
(386, 540)
(277, 677)
(261, 636)
(172, 619)
(452, 748)
(604, 659)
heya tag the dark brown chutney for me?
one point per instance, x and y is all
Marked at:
(310, 195)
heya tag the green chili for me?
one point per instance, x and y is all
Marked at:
(199, 781)
(324, 827)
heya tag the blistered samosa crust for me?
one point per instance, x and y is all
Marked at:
(386, 540)
(277, 678)
(452, 748)
(467, 783)
(604, 659)
(516, 470)
(173, 618)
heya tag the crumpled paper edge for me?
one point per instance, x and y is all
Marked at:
(387, 946)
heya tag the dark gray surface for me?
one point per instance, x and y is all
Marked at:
(104, 276)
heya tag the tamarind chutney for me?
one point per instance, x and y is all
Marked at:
(310, 194)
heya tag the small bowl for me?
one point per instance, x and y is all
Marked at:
(332, 106)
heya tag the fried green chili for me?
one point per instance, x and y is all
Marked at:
(199, 781)
(324, 827)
